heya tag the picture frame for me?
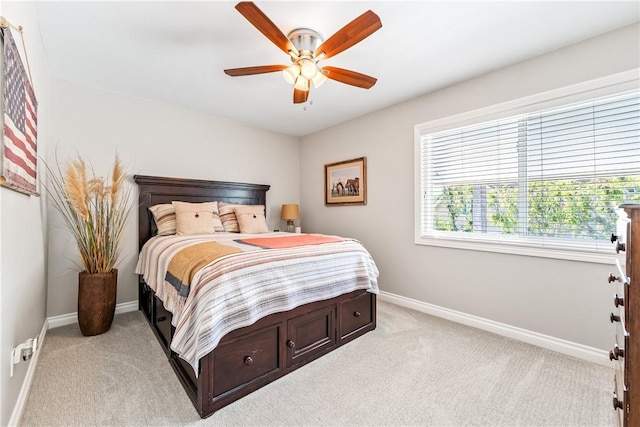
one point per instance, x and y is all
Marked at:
(18, 117)
(345, 182)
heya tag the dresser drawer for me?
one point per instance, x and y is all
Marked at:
(355, 314)
(619, 398)
(619, 279)
(246, 359)
(619, 321)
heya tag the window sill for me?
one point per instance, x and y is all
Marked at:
(518, 248)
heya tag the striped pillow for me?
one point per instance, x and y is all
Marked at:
(165, 218)
(228, 217)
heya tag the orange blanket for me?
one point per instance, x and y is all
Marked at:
(289, 241)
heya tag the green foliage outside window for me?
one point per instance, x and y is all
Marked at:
(503, 202)
(573, 209)
(458, 201)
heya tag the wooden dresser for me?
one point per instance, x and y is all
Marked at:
(626, 317)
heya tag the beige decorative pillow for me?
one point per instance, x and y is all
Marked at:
(228, 217)
(165, 218)
(195, 218)
(251, 219)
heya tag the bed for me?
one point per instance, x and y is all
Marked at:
(248, 357)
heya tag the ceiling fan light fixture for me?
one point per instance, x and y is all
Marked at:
(301, 84)
(291, 73)
(308, 68)
(319, 79)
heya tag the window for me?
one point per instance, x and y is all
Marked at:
(550, 179)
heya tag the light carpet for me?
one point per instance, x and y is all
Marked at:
(414, 369)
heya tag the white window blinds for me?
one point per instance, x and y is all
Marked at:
(553, 177)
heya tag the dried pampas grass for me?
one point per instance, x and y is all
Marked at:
(95, 209)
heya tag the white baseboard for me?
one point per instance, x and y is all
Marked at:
(70, 318)
(569, 348)
(18, 409)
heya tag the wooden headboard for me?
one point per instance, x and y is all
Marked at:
(156, 189)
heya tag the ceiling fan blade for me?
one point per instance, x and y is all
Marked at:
(247, 71)
(301, 96)
(349, 77)
(259, 20)
(354, 32)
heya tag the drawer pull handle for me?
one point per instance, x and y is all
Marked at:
(618, 300)
(356, 314)
(616, 353)
(614, 318)
(613, 278)
(161, 319)
(617, 403)
(291, 344)
(620, 247)
(248, 360)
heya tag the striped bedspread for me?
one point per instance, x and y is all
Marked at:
(239, 288)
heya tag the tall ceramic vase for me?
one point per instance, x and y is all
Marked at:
(96, 301)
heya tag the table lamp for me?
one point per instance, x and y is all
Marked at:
(290, 213)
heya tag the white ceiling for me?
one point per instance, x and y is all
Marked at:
(175, 51)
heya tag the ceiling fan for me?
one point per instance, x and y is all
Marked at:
(301, 45)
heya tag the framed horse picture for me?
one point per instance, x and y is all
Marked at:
(345, 183)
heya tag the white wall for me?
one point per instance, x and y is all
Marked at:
(23, 230)
(156, 139)
(564, 299)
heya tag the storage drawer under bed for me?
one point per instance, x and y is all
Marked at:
(356, 314)
(162, 323)
(246, 359)
(310, 335)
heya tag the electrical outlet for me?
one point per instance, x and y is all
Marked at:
(23, 351)
(27, 351)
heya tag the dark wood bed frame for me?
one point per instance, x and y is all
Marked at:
(251, 357)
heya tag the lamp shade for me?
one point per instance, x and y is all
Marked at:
(319, 79)
(308, 69)
(290, 212)
(291, 73)
(301, 83)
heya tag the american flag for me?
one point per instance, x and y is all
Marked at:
(19, 151)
